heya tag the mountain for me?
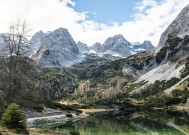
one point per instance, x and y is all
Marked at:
(37, 40)
(55, 49)
(116, 47)
(119, 47)
(58, 49)
(145, 76)
(95, 48)
(170, 58)
(178, 28)
(82, 47)
(145, 46)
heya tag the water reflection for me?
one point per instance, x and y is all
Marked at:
(140, 123)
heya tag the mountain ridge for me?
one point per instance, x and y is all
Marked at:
(116, 46)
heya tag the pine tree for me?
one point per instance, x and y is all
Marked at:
(14, 117)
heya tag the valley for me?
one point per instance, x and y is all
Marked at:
(55, 85)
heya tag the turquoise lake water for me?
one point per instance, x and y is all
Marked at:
(140, 123)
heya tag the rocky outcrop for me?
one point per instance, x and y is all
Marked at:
(178, 28)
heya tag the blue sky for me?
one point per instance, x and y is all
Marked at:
(91, 21)
(107, 12)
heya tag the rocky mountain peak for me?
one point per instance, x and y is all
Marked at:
(62, 32)
(83, 48)
(116, 39)
(37, 39)
(178, 28)
(61, 40)
(95, 48)
(97, 44)
(116, 45)
(56, 49)
(147, 45)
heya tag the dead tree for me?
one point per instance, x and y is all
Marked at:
(15, 48)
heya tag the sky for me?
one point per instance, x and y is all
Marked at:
(91, 21)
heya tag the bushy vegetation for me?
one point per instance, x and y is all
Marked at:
(162, 101)
(55, 105)
(185, 72)
(170, 48)
(176, 93)
(171, 82)
(14, 117)
(59, 83)
(30, 101)
(185, 96)
(160, 56)
(156, 88)
(74, 133)
(90, 93)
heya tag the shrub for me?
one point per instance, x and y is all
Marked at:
(172, 82)
(176, 93)
(74, 133)
(14, 117)
(162, 100)
(184, 98)
(55, 105)
(69, 115)
(185, 72)
(160, 56)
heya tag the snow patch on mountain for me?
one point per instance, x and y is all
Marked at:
(118, 47)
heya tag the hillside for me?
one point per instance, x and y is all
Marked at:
(145, 75)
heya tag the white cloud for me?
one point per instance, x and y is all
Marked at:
(69, 2)
(145, 4)
(150, 20)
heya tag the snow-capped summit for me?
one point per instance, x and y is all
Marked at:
(56, 49)
(116, 45)
(119, 47)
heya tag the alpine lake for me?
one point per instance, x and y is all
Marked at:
(159, 122)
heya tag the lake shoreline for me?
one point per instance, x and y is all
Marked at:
(41, 131)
